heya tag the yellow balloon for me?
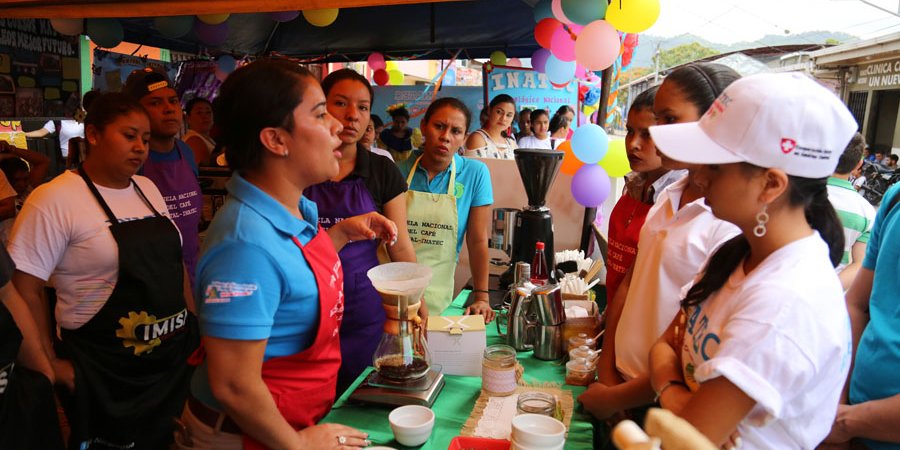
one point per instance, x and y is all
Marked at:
(391, 65)
(321, 17)
(213, 19)
(633, 16)
(615, 163)
(498, 58)
(395, 77)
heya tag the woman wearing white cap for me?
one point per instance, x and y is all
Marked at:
(762, 344)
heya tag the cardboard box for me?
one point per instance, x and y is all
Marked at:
(457, 343)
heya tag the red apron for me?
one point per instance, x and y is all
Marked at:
(303, 385)
(625, 224)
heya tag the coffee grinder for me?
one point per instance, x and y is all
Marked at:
(403, 372)
(534, 223)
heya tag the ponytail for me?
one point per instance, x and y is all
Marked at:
(812, 194)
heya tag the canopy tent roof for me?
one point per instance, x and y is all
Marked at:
(428, 30)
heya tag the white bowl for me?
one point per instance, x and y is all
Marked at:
(513, 445)
(411, 424)
(537, 431)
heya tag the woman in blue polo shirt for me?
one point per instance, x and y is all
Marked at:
(270, 283)
(366, 182)
(449, 198)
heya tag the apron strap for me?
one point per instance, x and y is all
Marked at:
(109, 214)
(450, 187)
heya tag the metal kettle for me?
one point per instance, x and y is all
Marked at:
(517, 312)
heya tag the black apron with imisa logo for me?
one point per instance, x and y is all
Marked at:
(131, 371)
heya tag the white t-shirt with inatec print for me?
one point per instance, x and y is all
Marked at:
(781, 334)
(62, 235)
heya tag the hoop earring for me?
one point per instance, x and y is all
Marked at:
(762, 218)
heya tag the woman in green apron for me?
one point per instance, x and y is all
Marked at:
(449, 198)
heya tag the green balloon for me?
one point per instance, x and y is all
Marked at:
(584, 12)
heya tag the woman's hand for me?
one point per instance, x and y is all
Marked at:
(64, 373)
(600, 401)
(483, 307)
(839, 433)
(333, 436)
(363, 228)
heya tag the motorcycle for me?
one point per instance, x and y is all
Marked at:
(878, 179)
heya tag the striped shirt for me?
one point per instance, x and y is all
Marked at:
(856, 215)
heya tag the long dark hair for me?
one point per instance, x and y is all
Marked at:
(812, 195)
(702, 83)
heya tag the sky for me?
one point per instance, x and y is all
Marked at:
(730, 21)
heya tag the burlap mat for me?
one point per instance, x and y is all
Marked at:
(566, 403)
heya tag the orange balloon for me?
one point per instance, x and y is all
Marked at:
(570, 162)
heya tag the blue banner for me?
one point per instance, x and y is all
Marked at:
(530, 89)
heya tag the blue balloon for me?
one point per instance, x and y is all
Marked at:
(543, 10)
(558, 71)
(589, 143)
(106, 33)
(590, 185)
(174, 26)
(226, 63)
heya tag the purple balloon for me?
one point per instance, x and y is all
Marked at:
(213, 35)
(590, 185)
(539, 59)
(284, 16)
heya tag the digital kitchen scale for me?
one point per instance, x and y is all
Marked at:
(381, 391)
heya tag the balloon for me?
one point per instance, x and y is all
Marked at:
(213, 19)
(590, 185)
(514, 62)
(391, 65)
(321, 17)
(174, 26)
(381, 77)
(570, 163)
(589, 143)
(633, 16)
(226, 63)
(106, 33)
(539, 59)
(556, 7)
(221, 76)
(376, 61)
(559, 72)
(562, 45)
(284, 16)
(543, 10)
(395, 77)
(213, 35)
(68, 27)
(583, 12)
(597, 46)
(498, 58)
(616, 160)
(543, 31)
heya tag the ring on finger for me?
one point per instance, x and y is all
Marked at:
(342, 440)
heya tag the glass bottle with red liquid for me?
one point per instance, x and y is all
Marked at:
(540, 273)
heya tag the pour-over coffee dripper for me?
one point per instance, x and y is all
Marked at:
(402, 354)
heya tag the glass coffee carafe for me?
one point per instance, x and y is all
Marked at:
(402, 354)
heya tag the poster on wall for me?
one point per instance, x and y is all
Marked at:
(198, 79)
(417, 100)
(529, 88)
(37, 79)
(112, 69)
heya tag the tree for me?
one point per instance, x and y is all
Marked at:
(832, 41)
(682, 54)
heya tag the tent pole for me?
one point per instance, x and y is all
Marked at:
(591, 213)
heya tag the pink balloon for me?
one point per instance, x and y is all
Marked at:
(539, 59)
(556, 7)
(376, 61)
(562, 45)
(597, 47)
(514, 62)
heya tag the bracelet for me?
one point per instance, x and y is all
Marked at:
(668, 384)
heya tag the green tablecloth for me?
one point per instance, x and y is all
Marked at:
(454, 404)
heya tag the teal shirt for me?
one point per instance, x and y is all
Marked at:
(473, 187)
(878, 353)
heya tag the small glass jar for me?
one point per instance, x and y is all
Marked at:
(579, 340)
(583, 352)
(536, 402)
(498, 370)
(580, 372)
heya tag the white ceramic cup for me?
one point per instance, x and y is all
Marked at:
(513, 445)
(411, 424)
(537, 431)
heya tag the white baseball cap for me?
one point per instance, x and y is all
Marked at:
(783, 121)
